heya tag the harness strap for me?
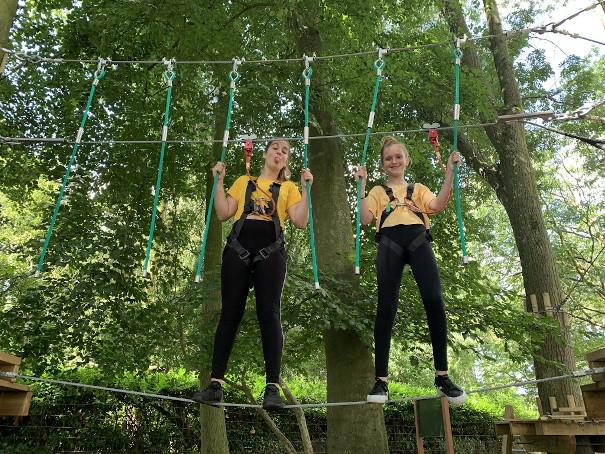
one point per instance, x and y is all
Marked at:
(232, 240)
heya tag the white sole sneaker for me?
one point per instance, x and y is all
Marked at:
(454, 401)
(377, 399)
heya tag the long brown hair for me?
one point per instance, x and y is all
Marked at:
(386, 142)
(284, 173)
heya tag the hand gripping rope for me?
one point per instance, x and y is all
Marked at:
(457, 59)
(168, 77)
(98, 76)
(307, 72)
(378, 66)
(233, 77)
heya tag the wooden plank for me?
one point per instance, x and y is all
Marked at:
(548, 310)
(556, 427)
(539, 405)
(551, 444)
(516, 427)
(534, 304)
(598, 386)
(6, 359)
(597, 355)
(15, 403)
(11, 386)
(447, 426)
(507, 440)
(552, 402)
(419, 440)
(598, 377)
(595, 403)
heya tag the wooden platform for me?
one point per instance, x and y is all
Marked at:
(15, 398)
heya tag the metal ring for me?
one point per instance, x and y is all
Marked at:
(458, 53)
(169, 75)
(307, 72)
(379, 64)
(100, 73)
(234, 76)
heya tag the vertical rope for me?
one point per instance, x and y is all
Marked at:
(308, 71)
(457, 58)
(378, 66)
(233, 78)
(169, 76)
(98, 76)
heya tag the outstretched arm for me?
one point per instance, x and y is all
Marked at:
(440, 202)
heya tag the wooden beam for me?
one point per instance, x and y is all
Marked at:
(447, 426)
(15, 403)
(507, 440)
(548, 310)
(419, 440)
(534, 304)
(597, 355)
(6, 385)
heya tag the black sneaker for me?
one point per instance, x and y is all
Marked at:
(446, 387)
(213, 394)
(379, 393)
(272, 399)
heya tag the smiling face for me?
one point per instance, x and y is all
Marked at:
(395, 159)
(276, 155)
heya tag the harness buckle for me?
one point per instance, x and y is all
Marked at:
(243, 255)
(263, 253)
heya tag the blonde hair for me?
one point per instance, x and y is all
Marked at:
(386, 142)
(284, 173)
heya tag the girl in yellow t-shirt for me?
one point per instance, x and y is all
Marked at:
(402, 229)
(255, 256)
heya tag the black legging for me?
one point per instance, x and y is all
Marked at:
(389, 267)
(267, 277)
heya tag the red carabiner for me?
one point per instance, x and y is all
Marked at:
(248, 151)
(434, 139)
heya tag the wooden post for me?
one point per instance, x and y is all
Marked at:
(534, 304)
(419, 440)
(447, 426)
(548, 310)
(507, 440)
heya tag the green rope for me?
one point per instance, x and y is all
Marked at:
(98, 76)
(233, 78)
(378, 66)
(169, 76)
(307, 76)
(457, 59)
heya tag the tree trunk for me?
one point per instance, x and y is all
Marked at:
(8, 9)
(350, 371)
(213, 430)
(514, 182)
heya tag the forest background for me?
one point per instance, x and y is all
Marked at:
(532, 199)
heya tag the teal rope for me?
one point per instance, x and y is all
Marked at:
(169, 76)
(307, 76)
(99, 74)
(233, 78)
(457, 58)
(378, 66)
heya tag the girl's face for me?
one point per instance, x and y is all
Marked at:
(276, 156)
(395, 160)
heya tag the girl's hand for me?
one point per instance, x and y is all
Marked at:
(219, 169)
(362, 173)
(305, 176)
(453, 159)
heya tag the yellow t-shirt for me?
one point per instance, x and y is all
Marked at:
(288, 196)
(377, 200)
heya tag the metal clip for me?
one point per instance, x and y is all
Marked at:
(100, 72)
(234, 75)
(169, 74)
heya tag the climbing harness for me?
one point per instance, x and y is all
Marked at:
(233, 77)
(98, 76)
(257, 206)
(169, 76)
(408, 203)
(378, 66)
(457, 59)
(307, 73)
